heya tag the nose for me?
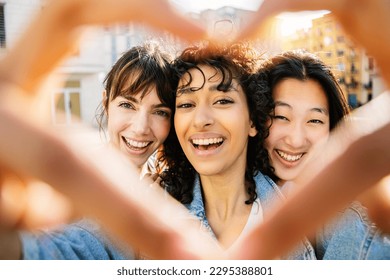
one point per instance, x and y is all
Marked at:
(296, 136)
(140, 123)
(203, 116)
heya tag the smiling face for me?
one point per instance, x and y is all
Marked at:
(300, 123)
(212, 126)
(138, 126)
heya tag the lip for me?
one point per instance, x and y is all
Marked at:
(136, 146)
(205, 136)
(214, 141)
(294, 158)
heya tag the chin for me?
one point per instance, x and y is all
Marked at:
(206, 171)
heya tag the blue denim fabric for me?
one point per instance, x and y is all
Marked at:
(83, 240)
(349, 236)
(268, 193)
(352, 236)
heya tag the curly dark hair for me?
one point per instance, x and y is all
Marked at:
(240, 62)
(302, 65)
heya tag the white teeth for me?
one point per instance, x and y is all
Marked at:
(288, 157)
(136, 144)
(208, 141)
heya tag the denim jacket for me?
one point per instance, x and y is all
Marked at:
(349, 236)
(83, 240)
(352, 236)
(269, 193)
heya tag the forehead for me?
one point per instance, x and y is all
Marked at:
(134, 86)
(302, 93)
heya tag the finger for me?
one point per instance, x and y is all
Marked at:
(45, 207)
(159, 14)
(270, 8)
(12, 201)
(60, 23)
(377, 202)
(102, 191)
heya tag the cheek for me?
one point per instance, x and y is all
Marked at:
(320, 136)
(115, 123)
(111, 127)
(275, 133)
(318, 141)
(180, 123)
(161, 129)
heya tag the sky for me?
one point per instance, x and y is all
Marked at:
(289, 22)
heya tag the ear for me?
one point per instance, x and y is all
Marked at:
(252, 130)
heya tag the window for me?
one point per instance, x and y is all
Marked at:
(2, 27)
(353, 68)
(352, 100)
(328, 40)
(371, 63)
(340, 39)
(66, 104)
(368, 86)
(341, 66)
(353, 84)
(340, 53)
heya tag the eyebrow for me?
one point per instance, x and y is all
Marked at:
(320, 110)
(135, 100)
(282, 104)
(131, 98)
(189, 90)
(315, 109)
(185, 90)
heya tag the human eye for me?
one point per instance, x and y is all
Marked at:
(163, 113)
(184, 105)
(126, 105)
(184, 102)
(224, 101)
(280, 117)
(316, 121)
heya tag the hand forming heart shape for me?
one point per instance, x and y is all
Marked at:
(39, 154)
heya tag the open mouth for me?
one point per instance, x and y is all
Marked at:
(207, 144)
(289, 157)
(136, 145)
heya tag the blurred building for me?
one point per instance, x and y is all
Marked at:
(227, 23)
(355, 69)
(77, 99)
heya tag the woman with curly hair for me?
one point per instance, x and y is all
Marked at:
(216, 152)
